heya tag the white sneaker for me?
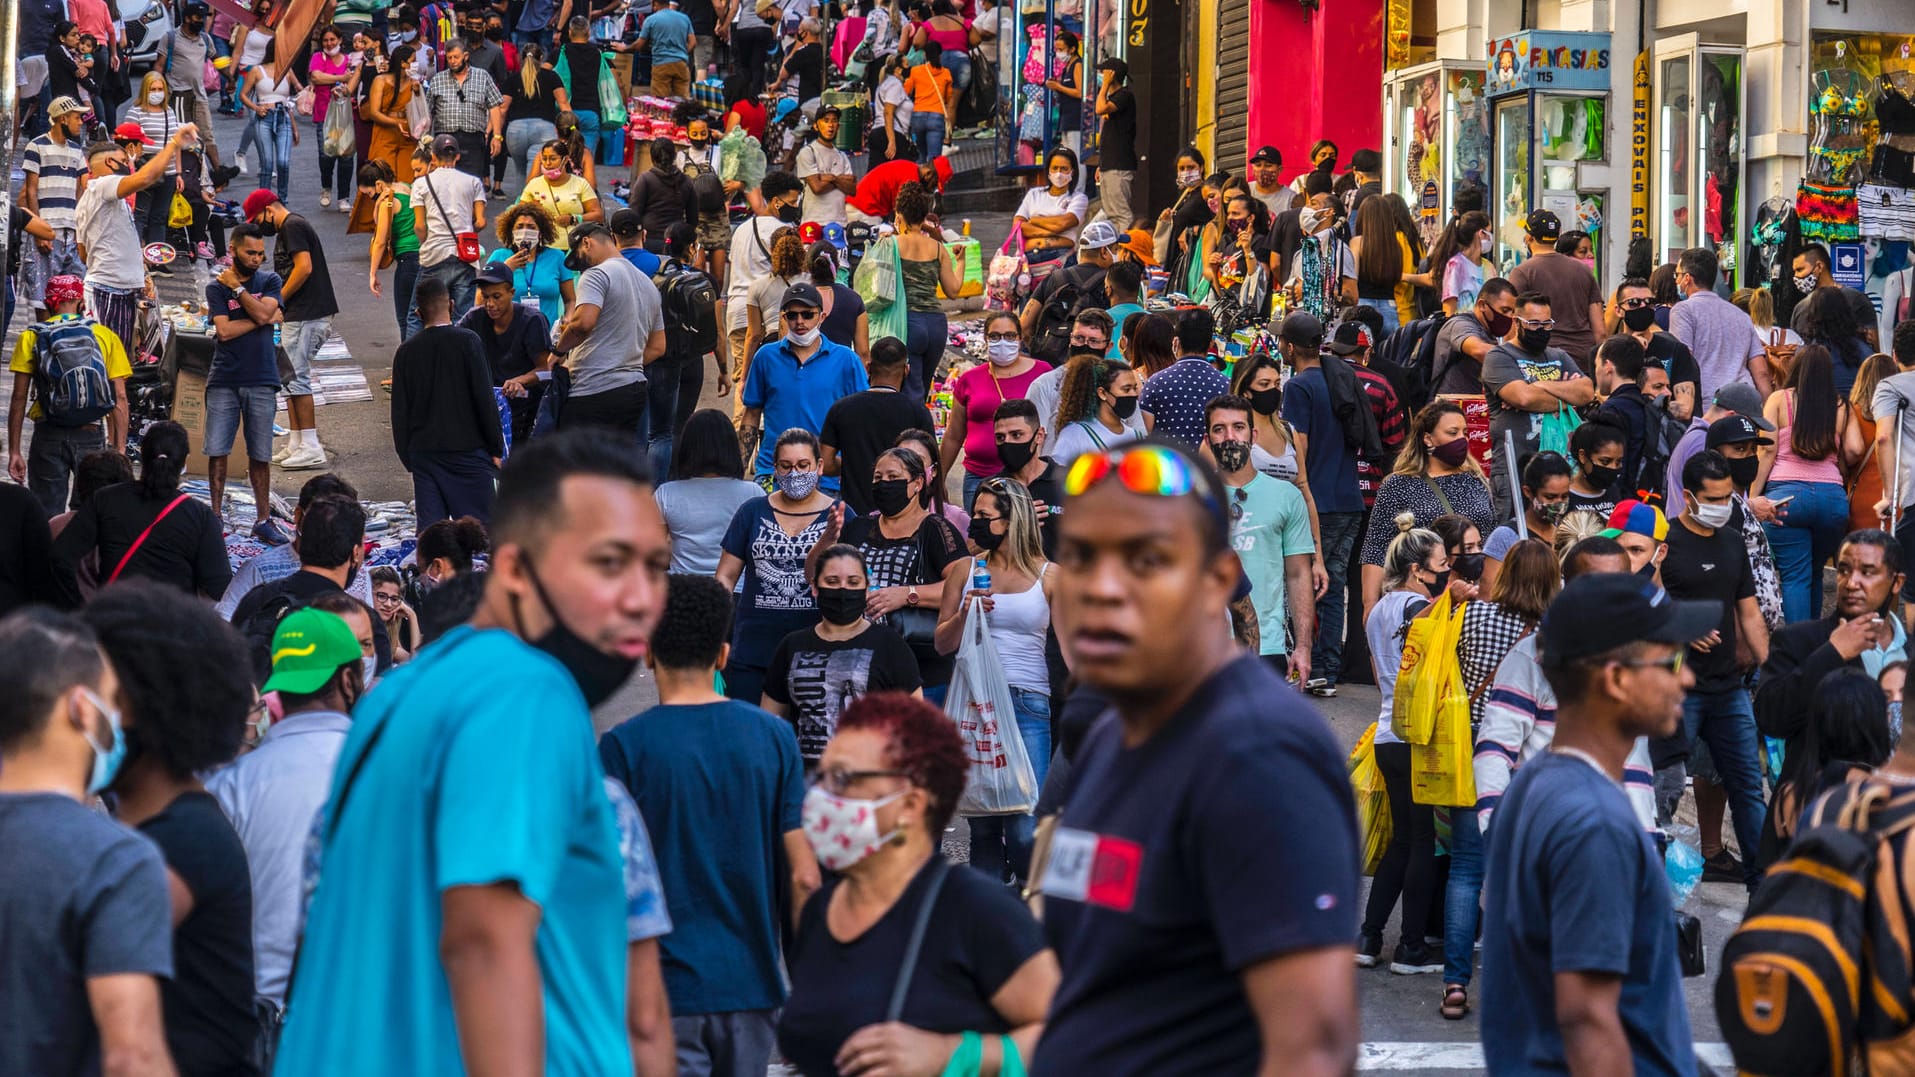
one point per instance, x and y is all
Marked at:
(280, 454)
(239, 162)
(325, 199)
(345, 205)
(304, 458)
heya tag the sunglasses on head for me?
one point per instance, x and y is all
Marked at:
(1150, 470)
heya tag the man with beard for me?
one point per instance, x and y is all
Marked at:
(1270, 530)
(1637, 305)
(467, 105)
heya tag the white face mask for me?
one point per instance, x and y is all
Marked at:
(804, 338)
(525, 237)
(1061, 179)
(1713, 516)
(1313, 220)
(1002, 352)
(368, 666)
(156, 97)
(1488, 244)
(843, 831)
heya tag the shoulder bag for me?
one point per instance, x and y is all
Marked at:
(141, 541)
(917, 625)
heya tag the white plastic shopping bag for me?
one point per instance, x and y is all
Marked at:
(1002, 781)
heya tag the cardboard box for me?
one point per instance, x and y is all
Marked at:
(189, 410)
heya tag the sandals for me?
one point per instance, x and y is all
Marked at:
(1455, 1002)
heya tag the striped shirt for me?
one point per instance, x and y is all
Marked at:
(59, 166)
(157, 124)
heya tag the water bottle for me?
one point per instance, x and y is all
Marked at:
(980, 575)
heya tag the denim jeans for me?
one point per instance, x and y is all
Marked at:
(959, 65)
(1385, 307)
(1725, 721)
(461, 281)
(52, 457)
(925, 334)
(606, 143)
(524, 138)
(1460, 897)
(276, 149)
(1004, 841)
(1340, 533)
(405, 274)
(672, 389)
(927, 130)
(972, 480)
(1806, 537)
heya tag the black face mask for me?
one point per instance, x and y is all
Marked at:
(1533, 340)
(892, 496)
(1015, 455)
(1123, 407)
(841, 605)
(1267, 401)
(982, 536)
(598, 674)
(790, 214)
(1648, 570)
(494, 33)
(1084, 349)
(1742, 472)
(1441, 581)
(1602, 478)
(1469, 566)
(1639, 318)
(267, 228)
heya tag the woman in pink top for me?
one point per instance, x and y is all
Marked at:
(955, 35)
(1006, 374)
(332, 72)
(1816, 440)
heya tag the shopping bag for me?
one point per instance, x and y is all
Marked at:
(876, 278)
(611, 99)
(418, 114)
(970, 254)
(179, 213)
(1372, 801)
(1429, 672)
(303, 104)
(1554, 430)
(1002, 781)
(336, 134)
(1010, 271)
(1442, 772)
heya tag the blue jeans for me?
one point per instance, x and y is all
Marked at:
(959, 65)
(461, 281)
(1460, 897)
(999, 842)
(1725, 721)
(1385, 307)
(606, 143)
(1808, 536)
(927, 130)
(1340, 533)
(524, 138)
(673, 386)
(925, 335)
(405, 273)
(276, 149)
(972, 480)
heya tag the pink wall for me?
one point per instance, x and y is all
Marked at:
(1315, 74)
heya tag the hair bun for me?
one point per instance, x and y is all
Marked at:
(1405, 520)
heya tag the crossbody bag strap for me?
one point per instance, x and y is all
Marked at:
(443, 215)
(141, 541)
(1481, 688)
(939, 869)
(1440, 496)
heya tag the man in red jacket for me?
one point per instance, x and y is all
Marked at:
(877, 194)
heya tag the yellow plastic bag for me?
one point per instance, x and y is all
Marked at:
(1372, 802)
(1443, 772)
(970, 258)
(179, 212)
(1429, 669)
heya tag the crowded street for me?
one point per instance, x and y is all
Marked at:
(942, 538)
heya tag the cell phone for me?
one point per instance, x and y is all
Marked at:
(1781, 501)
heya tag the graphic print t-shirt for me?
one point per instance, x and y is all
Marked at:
(817, 678)
(775, 600)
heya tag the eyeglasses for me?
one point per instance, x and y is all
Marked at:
(1089, 342)
(999, 338)
(795, 316)
(1538, 323)
(838, 779)
(1673, 665)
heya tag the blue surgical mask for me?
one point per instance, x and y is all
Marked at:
(106, 761)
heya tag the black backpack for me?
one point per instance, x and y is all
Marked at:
(1819, 967)
(1351, 405)
(258, 630)
(710, 191)
(1077, 288)
(1413, 347)
(689, 304)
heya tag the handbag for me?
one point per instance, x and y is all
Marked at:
(469, 250)
(915, 624)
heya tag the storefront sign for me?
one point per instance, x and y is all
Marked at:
(1639, 150)
(1547, 60)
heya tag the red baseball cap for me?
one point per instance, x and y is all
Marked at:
(256, 202)
(130, 132)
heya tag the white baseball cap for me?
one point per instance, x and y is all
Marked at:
(1098, 234)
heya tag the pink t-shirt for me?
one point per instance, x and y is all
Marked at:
(979, 394)
(322, 95)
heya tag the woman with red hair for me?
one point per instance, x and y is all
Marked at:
(981, 979)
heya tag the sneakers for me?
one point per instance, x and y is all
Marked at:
(345, 205)
(304, 458)
(1414, 960)
(269, 532)
(292, 445)
(204, 250)
(1722, 868)
(1320, 687)
(325, 200)
(1369, 948)
(239, 165)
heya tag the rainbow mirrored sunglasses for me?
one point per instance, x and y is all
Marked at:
(1151, 470)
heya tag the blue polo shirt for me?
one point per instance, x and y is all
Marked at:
(793, 393)
(645, 261)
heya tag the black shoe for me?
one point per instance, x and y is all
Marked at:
(1414, 960)
(1368, 949)
(1722, 868)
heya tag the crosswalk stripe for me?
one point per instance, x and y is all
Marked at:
(1469, 1056)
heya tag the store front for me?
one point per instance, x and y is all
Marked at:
(1549, 97)
(1436, 125)
(1698, 156)
(1048, 89)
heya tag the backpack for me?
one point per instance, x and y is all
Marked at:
(688, 300)
(1816, 971)
(1076, 289)
(1413, 347)
(1351, 405)
(69, 373)
(710, 191)
(258, 632)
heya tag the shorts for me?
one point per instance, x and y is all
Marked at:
(302, 341)
(714, 232)
(224, 407)
(42, 266)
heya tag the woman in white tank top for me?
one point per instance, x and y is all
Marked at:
(268, 95)
(1017, 608)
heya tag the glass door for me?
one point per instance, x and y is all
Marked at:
(1510, 198)
(1698, 95)
(1674, 97)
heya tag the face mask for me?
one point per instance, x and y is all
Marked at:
(1266, 401)
(1553, 512)
(1451, 453)
(1231, 455)
(1713, 516)
(1441, 581)
(1123, 407)
(789, 214)
(528, 237)
(598, 674)
(1639, 318)
(408, 35)
(1313, 221)
(1805, 285)
(494, 33)
(798, 485)
(1469, 566)
(1533, 340)
(804, 338)
(106, 761)
(700, 143)
(553, 175)
(1742, 472)
(1016, 455)
(841, 605)
(1187, 178)
(332, 50)
(1234, 227)
(268, 228)
(1060, 179)
(981, 534)
(1079, 349)
(1487, 245)
(892, 496)
(1602, 478)
(843, 831)
(156, 97)
(455, 68)
(1002, 352)
(1498, 324)
(1648, 571)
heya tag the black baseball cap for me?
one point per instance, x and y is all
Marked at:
(1350, 338)
(1734, 430)
(1366, 161)
(1544, 224)
(495, 273)
(626, 223)
(1602, 611)
(1112, 63)
(1301, 328)
(1268, 154)
(802, 294)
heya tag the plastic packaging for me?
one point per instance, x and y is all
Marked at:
(1683, 863)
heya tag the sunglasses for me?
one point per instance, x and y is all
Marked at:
(1673, 665)
(796, 316)
(1150, 470)
(1637, 303)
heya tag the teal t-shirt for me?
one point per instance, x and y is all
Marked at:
(484, 771)
(540, 281)
(1272, 525)
(1117, 315)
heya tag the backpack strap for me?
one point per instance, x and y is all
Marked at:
(141, 541)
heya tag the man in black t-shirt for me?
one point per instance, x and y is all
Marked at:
(806, 61)
(1185, 944)
(1020, 437)
(517, 342)
(1707, 560)
(332, 550)
(862, 425)
(308, 304)
(1637, 304)
(1117, 142)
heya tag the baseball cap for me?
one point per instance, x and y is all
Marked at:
(1350, 338)
(1602, 611)
(63, 105)
(1112, 63)
(65, 288)
(1366, 161)
(627, 223)
(445, 147)
(1098, 235)
(1268, 154)
(196, 7)
(130, 132)
(256, 202)
(1734, 430)
(1637, 517)
(801, 294)
(1302, 329)
(495, 273)
(1544, 225)
(1140, 242)
(309, 646)
(1742, 399)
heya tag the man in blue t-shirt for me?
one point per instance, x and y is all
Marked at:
(723, 786)
(795, 379)
(1330, 463)
(1213, 937)
(1580, 971)
(243, 384)
(474, 895)
(667, 34)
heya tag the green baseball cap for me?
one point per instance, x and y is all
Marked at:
(309, 646)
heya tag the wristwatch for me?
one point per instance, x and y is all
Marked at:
(911, 597)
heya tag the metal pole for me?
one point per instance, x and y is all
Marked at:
(1515, 482)
(1895, 502)
(9, 114)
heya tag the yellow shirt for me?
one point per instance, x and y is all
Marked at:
(111, 351)
(567, 198)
